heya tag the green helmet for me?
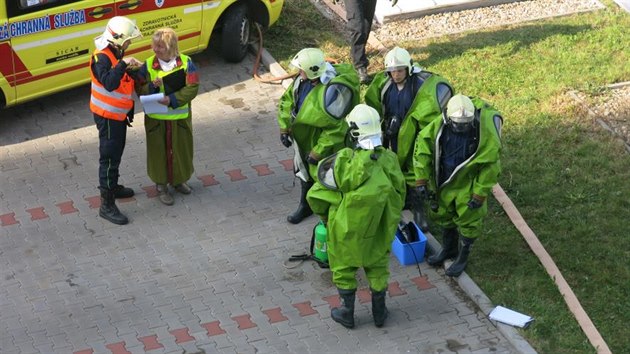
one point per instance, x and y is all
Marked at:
(311, 61)
(460, 113)
(365, 126)
(397, 58)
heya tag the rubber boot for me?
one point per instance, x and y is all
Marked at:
(345, 313)
(109, 211)
(303, 209)
(379, 310)
(121, 191)
(449, 248)
(459, 264)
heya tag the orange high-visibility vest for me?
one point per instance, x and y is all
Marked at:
(111, 104)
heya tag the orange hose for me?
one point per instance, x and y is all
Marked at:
(271, 80)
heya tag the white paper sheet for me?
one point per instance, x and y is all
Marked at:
(150, 103)
(507, 316)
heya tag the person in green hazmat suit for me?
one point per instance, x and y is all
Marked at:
(408, 98)
(360, 194)
(457, 162)
(310, 116)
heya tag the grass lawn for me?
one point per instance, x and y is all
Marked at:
(568, 177)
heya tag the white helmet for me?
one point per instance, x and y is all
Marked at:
(365, 126)
(311, 61)
(460, 113)
(120, 29)
(397, 58)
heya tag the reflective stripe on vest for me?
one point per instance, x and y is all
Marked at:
(111, 104)
(180, 112)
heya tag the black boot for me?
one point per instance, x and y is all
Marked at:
(449, 247)
(109, 211)
(121, 191)
(462, 258)
(345, 313)
(303, 209)
(379, 310)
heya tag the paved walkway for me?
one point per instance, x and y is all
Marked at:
(208, 274)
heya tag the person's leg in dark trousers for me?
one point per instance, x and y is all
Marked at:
(111, 135)
(359, 14)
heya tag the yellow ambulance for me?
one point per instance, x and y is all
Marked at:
(45, 45)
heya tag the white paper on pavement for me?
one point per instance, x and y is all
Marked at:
(150, 103)
(507, 316)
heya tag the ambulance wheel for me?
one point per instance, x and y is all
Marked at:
(235, 34)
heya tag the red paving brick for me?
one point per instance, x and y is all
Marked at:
(181, 335)
(235, 175)
(288, 164)
(422, 283)
(37, 213)
(150, 342)
(244, 321)
(213, 328)
(395, 290)
(275, 315)
(67, 207)
(262, 169)
(118, 348)
(332, 300)
(94, 201)
(364, 295)
(8, 219)
(305, 308)
(151, 191)
(208, 180)
(84, 351)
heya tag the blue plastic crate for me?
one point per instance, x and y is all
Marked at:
(404, 251)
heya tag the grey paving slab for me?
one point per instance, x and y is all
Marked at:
(183, 274)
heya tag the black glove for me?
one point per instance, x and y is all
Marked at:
(285, 139)
(310, 159)
(129, 120)
(474, 203)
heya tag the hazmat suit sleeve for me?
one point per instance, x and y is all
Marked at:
(333, 134)
(423, 152)
(488, 176)
(373, 93)
(320, 199)
(284, 109)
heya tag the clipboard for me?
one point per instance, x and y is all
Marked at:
(174, 81)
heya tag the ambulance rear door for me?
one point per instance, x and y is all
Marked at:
(52, 42)
(184, 16)
(6, 61)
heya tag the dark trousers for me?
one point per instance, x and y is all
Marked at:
(359, 14)
(111, 139)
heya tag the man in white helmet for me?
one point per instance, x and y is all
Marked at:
(111, 103)
(407, 98)
(457, 159)
(359, 195)
(310, 116)
(360, 14)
